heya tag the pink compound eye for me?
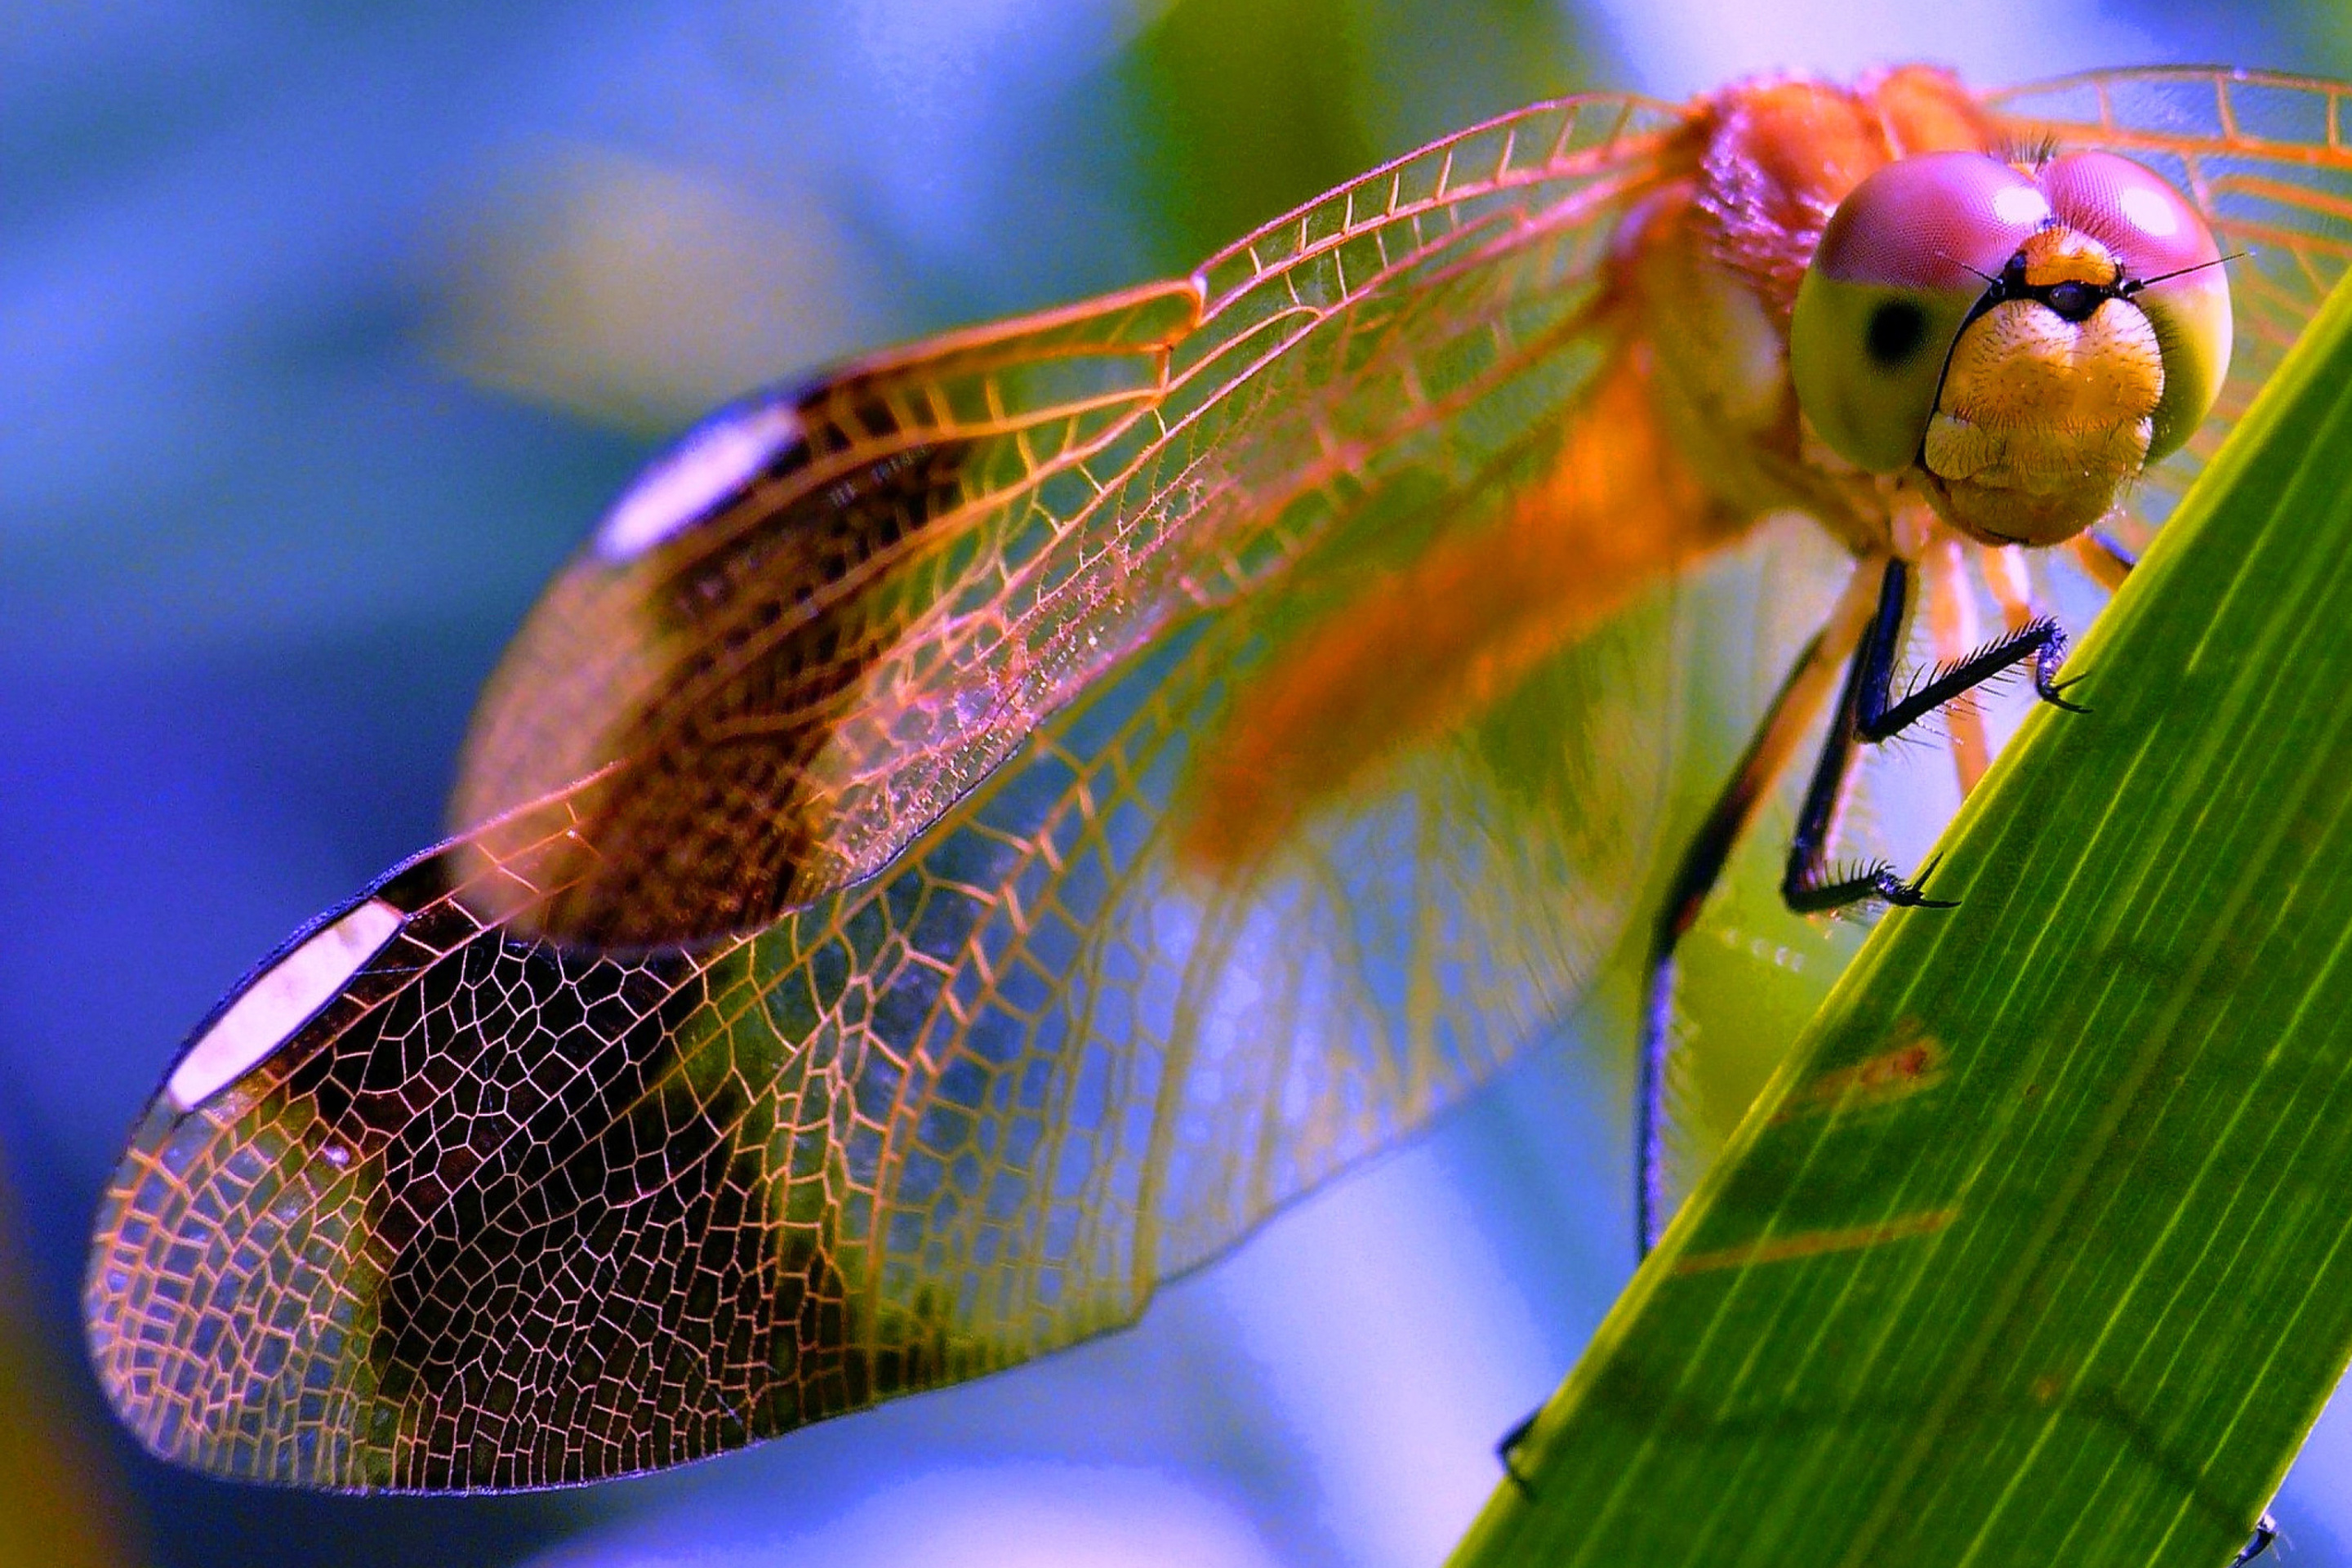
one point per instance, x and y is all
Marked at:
(1905, 259)
(1943, 220)
(2155, 234)
(1910, 252)
(2131, 210)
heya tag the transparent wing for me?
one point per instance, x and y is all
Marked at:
(504, 1214)
(831, 612)
(2266, 158)
(1021, 623)
(505, 1211)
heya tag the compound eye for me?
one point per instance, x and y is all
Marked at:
(2154, 232)
(2132, 210)
(1905, 257)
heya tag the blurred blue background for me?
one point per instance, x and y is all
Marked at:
(326, 332)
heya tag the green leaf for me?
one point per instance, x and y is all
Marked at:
(2038, 1249)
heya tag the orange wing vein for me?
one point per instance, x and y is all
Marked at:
(951, 541)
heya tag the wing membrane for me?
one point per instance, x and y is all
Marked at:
(945, 546)
(507, 1214)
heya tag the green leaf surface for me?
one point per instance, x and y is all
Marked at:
(2038, 1249)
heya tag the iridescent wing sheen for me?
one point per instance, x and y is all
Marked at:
(771, 695)
(505, 1211)
(2268, 160)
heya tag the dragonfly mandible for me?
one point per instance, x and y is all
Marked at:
(972, 836)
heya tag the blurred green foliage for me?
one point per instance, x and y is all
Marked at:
(1243, 109)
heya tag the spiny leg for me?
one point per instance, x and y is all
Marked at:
(1870, 618)
(1808, 883)
(1867, 714)
(1786, 717)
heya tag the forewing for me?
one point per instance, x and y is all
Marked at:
(505, 1211)
(507, 1215)
(2266, 158)
(832, 612)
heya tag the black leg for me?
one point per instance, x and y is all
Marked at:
(1869, 713)
(2265, 1531)
(1657, 1045)
(1873, 626)
(1792, 708)
(1808, 885)
(2038, 639)
(1801, 694)
(1507, 1451)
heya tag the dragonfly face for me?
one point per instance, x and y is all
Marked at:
(2020, 342)
(972, 836)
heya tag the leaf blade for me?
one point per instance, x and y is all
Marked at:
(2038, 1249)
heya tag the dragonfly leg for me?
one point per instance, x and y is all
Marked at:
(1786, 717)
(1868, 619)
(1507, 1451)
(1801, 695)
(2265, 1531)
(1868, 713)
(2108, 562)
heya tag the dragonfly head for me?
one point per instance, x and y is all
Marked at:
(2022, 342)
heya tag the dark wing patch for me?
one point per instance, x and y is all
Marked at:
(506, 1213)
(774, 699)
(678, 681)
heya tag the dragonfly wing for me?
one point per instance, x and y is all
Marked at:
(505, 1213)
(435, 1202)
(2267, 158)
(831, 612)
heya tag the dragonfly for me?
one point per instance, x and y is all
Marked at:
(972, 836)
